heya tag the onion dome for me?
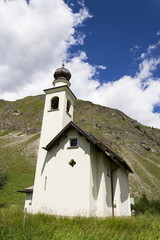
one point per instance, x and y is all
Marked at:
(62, 73)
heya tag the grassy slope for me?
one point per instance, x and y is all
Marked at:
(23, 115)
(121, 133)
(20, 165)
(128, 138)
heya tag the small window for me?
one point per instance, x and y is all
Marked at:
(68, 106)
(73, 142)
(45, 184)
(72, 162)
(54, 103)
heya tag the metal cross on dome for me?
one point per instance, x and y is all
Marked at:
(63, 65)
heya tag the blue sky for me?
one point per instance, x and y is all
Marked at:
(112, 49)
(118, 33)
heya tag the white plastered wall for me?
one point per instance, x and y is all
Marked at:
(28, 202)
(67, 188)
(100, 185)
(121, 193)
(53, 122)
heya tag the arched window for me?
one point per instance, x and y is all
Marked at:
(54, 103)
(68, 106)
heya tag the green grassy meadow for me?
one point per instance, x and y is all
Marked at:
(19, 166)
(47, 227)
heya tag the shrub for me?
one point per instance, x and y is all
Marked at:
(155, 206)
(144, 206)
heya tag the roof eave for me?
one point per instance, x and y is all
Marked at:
(27, 190)
(113, 156)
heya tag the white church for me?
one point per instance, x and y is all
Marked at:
(76, 174)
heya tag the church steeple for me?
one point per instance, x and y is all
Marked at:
(62, 73)
(59, 106)
(62, 76)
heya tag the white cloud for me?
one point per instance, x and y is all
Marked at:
(158, 33)
(147, 67)
(135, 96)
(101, 67)
(135, 48)
(126, 94)
(152, 47)
(150, 50)
(35, 39)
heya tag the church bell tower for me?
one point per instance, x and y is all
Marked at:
(59, 106)
(58, 112)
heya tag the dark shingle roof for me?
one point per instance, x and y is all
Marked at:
(118, 161)
(27, 190)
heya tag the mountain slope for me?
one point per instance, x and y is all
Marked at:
(20, 123)
(137, 144)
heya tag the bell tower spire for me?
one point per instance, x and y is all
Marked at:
(59, 105)
(62, 76)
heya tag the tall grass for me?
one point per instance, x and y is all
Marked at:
(46, 227)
